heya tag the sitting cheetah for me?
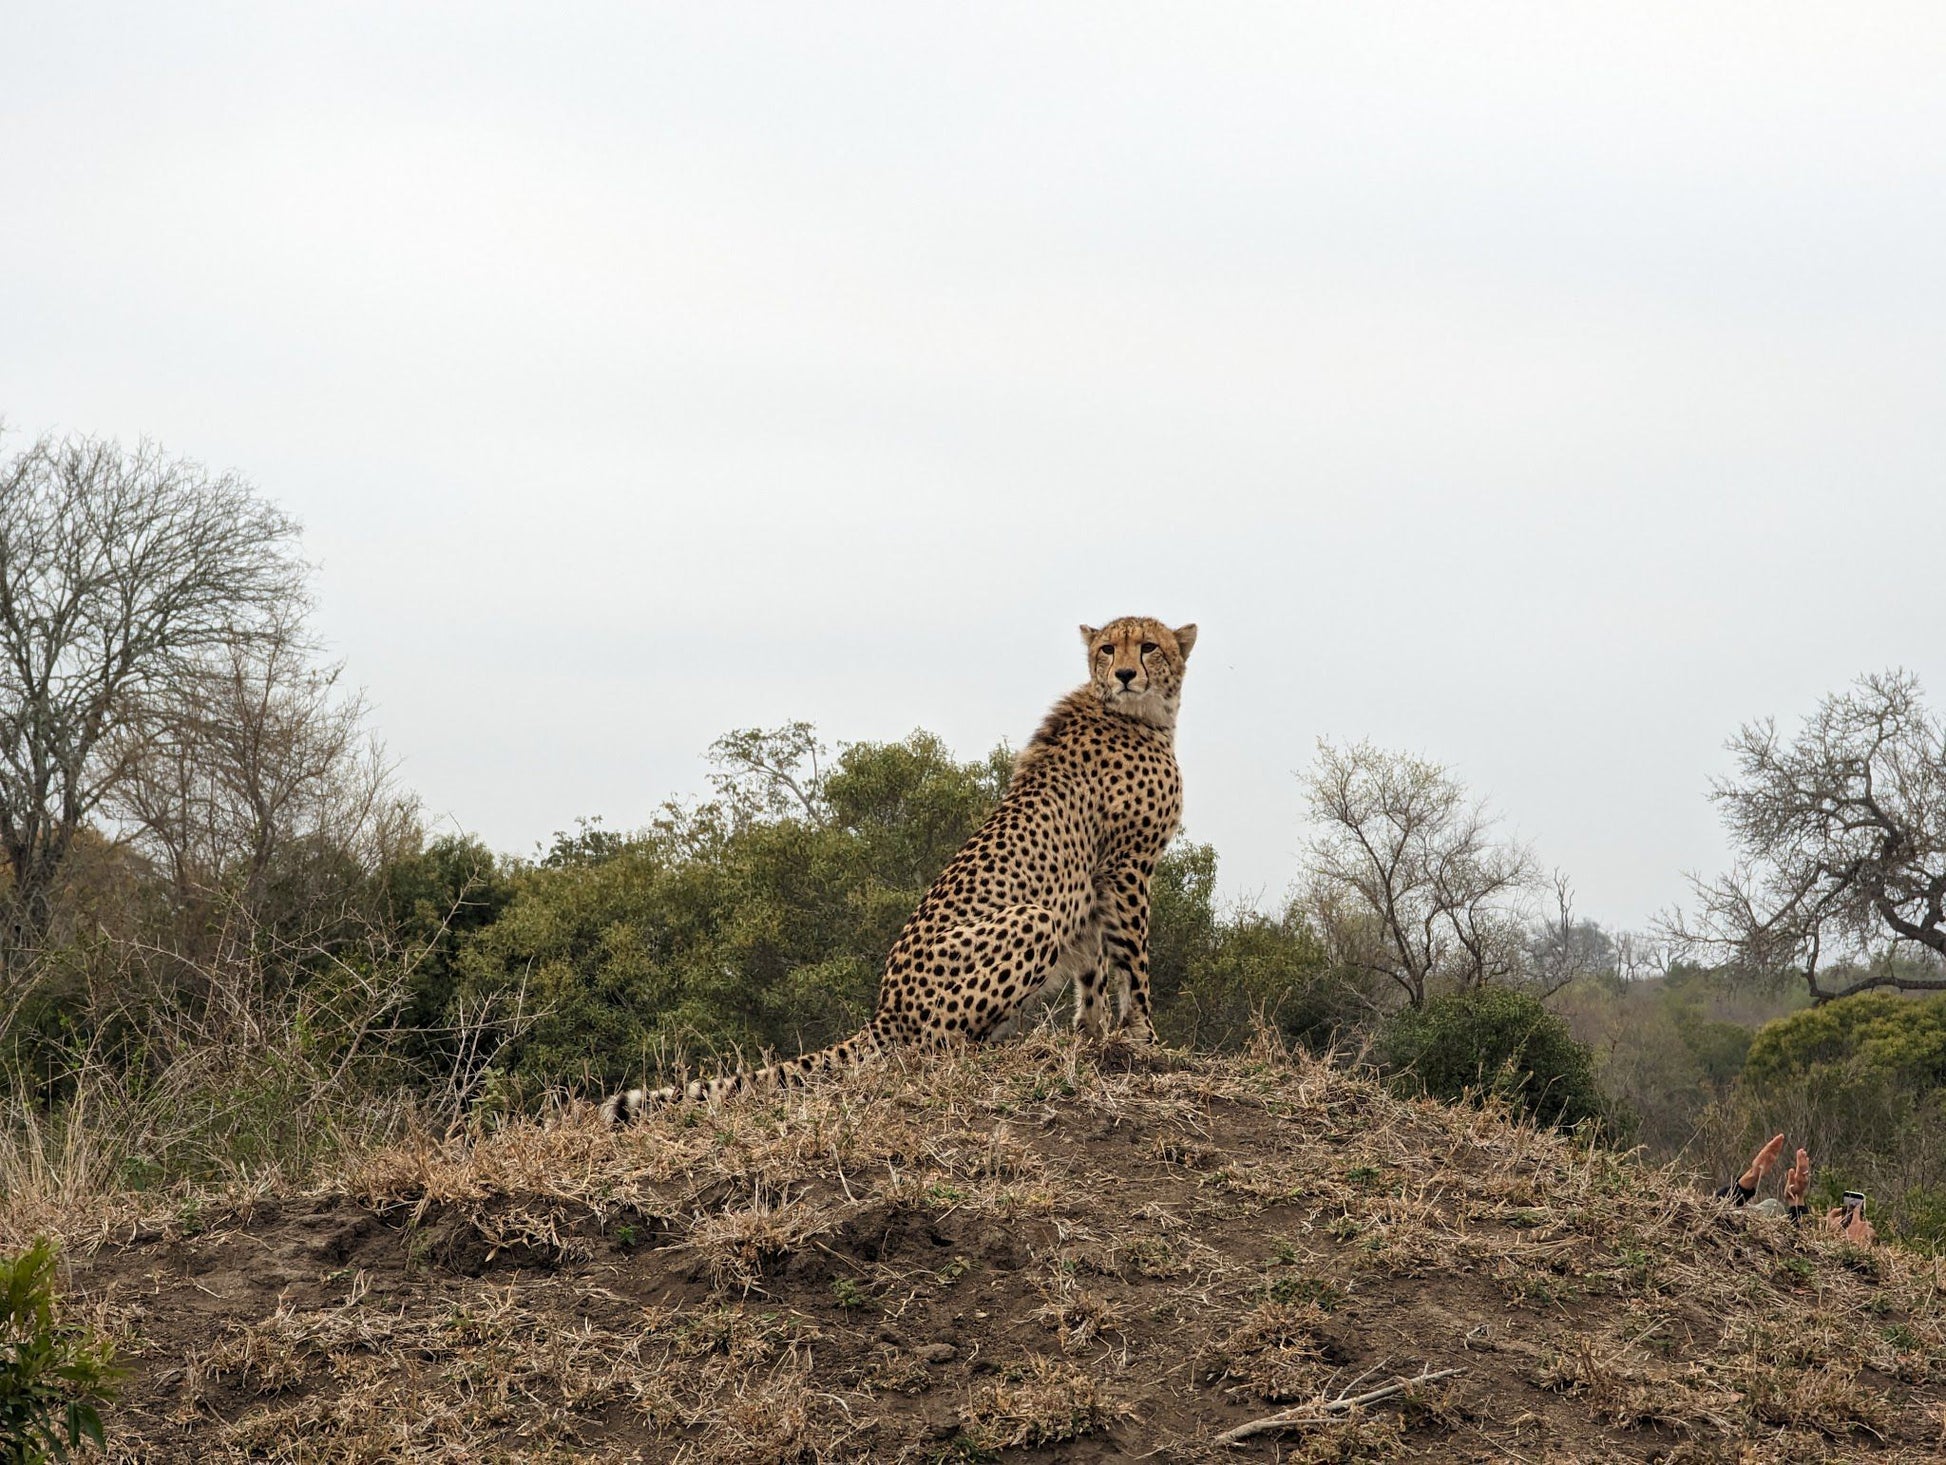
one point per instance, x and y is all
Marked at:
(1054, 880)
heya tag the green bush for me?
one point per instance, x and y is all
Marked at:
(433, 899)
(1922, 1217)
(1259, 968)
(755, 921)
(1214, 977)
(52, 1375)
(1492, 1040)
(1718, 1049)
(1874, 1035)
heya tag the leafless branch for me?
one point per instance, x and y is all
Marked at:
(1408, 879)
(1840, 844)
(1323, 1411)
(119, 571)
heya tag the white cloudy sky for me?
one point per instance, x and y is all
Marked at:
(1544, 388)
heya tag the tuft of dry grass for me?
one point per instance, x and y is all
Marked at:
(1042, 1401)
(1280, 1352)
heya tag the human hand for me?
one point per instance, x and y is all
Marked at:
(1851, 1225)
(1761, 1162)
(1797, 1180)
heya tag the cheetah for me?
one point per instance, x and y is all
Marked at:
(1052, 888)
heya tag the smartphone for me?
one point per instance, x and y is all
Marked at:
(1854, 1204)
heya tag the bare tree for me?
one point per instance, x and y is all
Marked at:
(1561, 949)
(1408, 879)
(1642, 955)
(772, 772)
(252, 751)
(119, 570)
(1840, 846)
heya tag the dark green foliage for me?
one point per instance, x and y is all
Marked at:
(1277, 967)
(1921, 1213)
(1214, 977)
(1669, 1048)
(1718, 1049)
(53, 1375)
(1875, 1036)
(911, 806)
(1492, 1040)
(1182, 919)
(433, 900)
(755, 921)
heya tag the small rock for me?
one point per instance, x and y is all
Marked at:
(937, 1353)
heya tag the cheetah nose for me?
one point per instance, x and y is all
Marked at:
(1126, 676)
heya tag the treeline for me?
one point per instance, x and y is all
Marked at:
(228, 945)
(757, 921)
(178, 1022)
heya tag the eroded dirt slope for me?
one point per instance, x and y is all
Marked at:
(1014, 1255)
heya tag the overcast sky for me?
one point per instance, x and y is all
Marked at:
(1545, 389)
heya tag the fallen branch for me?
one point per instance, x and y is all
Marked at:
(1323, 1411)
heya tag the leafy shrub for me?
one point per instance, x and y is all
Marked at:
(1718, 1049)
(1492, 1040)
(1874, 1035)
(1214, 977)
(434, 899)
(1259, 968)
(755, 921)
(52, 1375)
(1670, 1048)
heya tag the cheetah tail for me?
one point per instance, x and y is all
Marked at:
(629, 1105)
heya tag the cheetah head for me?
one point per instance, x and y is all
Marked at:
(1136, 665)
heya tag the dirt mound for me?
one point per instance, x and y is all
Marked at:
(1016, 1255)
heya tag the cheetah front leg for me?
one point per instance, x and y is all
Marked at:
(1122, 905)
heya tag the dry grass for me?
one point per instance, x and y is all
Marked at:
(1042, 1401)
(1012, 1250)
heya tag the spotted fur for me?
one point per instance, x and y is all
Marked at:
(1052, 888)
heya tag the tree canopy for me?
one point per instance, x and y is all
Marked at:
(1840, 840)
(119, 571)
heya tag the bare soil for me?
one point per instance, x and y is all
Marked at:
(1017, 1255)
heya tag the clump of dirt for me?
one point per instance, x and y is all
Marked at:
(1020, 1255)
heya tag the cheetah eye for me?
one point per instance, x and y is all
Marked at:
(1148, 646)
(1108, 651)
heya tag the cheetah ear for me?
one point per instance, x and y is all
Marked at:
(1088, 634)
(1185, 638)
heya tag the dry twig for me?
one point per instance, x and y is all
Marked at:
(1322, 1411)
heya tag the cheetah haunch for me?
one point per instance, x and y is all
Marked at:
(1052, 888)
